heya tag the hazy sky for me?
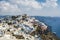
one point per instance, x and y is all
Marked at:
(30, 7)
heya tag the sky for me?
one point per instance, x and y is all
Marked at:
(30, 7)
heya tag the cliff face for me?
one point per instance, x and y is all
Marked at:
(24, 27)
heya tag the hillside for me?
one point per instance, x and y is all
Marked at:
(24, 27)
(54, 22)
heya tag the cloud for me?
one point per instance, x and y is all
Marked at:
(25, 6)
(50, 3)
(35, 3)
(7, 7)
(28, 3)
